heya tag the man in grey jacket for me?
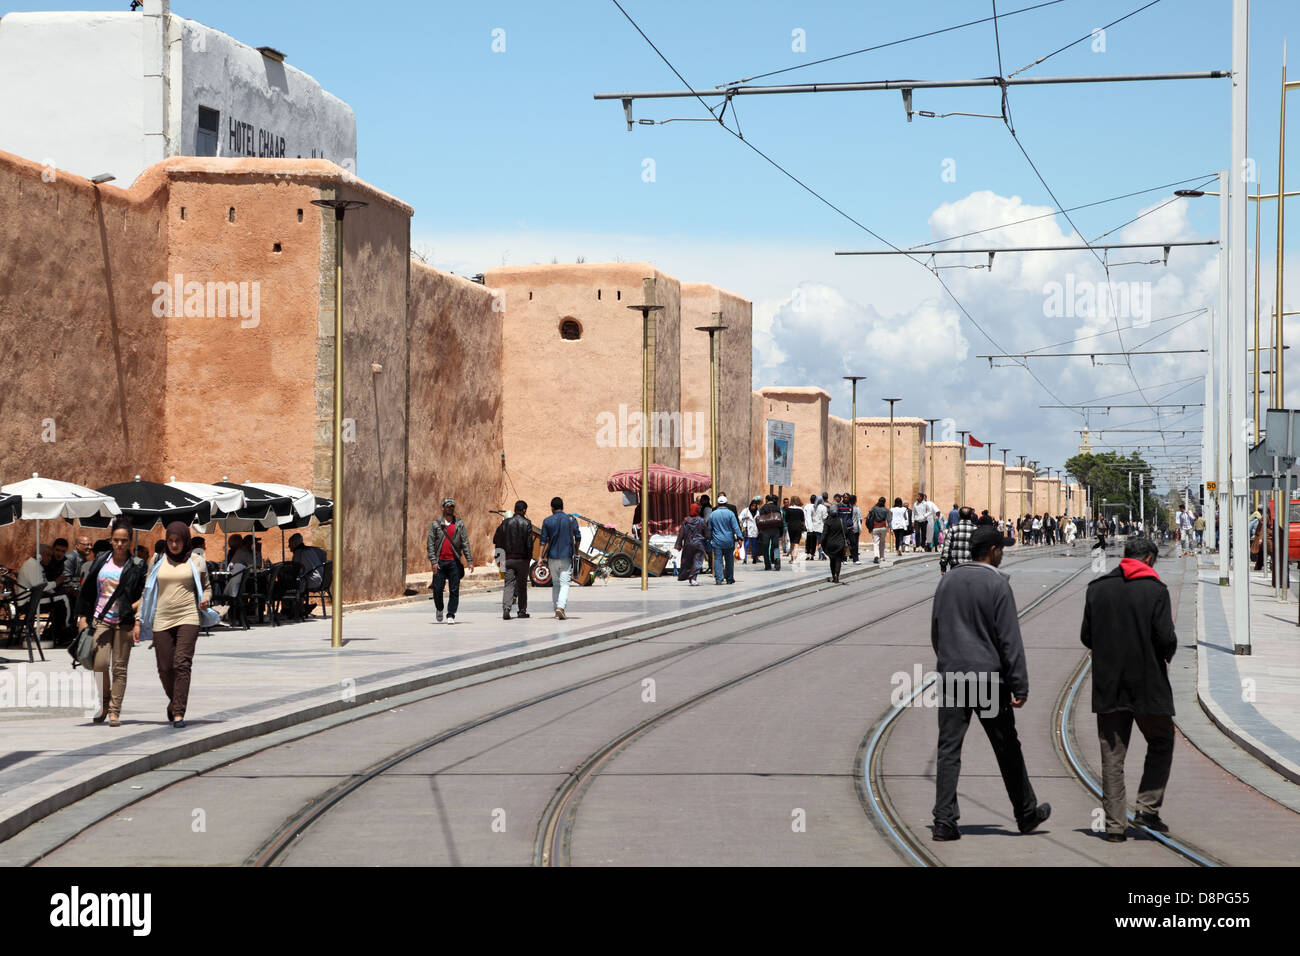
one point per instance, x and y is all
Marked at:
(975, 631)
(447, 543)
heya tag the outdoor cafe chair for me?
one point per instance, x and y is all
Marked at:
(322, 590)
(27, 627)
(287, 591)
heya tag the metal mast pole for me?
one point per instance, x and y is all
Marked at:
(961, 497)
(853, 428)
(1224, 338)
(648, 286)
(1239, 313)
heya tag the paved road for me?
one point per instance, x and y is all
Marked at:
(760, 773)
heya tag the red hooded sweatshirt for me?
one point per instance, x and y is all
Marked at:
(1133, 568)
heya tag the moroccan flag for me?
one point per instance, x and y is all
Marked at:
(974, 442)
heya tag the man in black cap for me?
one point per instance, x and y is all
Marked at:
(975, 631)
(514, 536)
(448, 545)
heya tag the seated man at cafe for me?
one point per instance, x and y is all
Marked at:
(310, 558)
(59, 608)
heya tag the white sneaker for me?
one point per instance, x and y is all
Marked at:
(451, 619)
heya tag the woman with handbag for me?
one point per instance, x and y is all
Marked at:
(109, 593)
(174, 606)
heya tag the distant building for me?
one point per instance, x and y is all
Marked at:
(1085, 443)
(116, 92)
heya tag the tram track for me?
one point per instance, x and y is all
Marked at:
(1068, 751)
(869, 766)
(276, 845)
(563, 804)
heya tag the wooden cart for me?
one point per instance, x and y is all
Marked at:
(624, 551)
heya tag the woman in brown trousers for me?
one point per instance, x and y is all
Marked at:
(174, 596)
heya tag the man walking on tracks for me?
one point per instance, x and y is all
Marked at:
(514, 536)
(975, 632)
(560, 541)
(446, 543)
(1128, 624)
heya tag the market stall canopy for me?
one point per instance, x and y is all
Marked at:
(11, 508)
(149, 503)
(663, 480)
(45, 499)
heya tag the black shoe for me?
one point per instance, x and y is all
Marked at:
(1041, 813)
(1115, 838)
(875, 560)
(945, 831)
(523, 614)
(1151, 821)
(178, 723)
(505, 615)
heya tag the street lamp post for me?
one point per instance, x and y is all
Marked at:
(853, 434)
(961, 497)
(645, 311)
(1002, 505)
(989, 482)
(1020, 494)
(891, 447)
(930, 492)
(713, 330)
(340, 207)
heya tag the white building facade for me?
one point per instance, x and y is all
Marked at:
(117, 92)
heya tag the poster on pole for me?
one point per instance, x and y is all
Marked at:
(780, 452)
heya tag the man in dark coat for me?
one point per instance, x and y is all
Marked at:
(975, 632)
(1129, 626)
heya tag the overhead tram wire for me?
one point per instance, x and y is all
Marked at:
(820, 198)
(1096, 335)
(1010, 125)
(881, 46)
(1109, 281)
(1202, 180)
(1087, 36)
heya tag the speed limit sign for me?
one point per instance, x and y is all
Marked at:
(1211, 486)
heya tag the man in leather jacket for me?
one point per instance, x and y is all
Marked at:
(515, 537)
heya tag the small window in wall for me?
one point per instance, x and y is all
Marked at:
(571, 330)
(205, 142)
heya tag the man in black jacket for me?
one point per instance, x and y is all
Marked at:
(1128, 623)
(975, 632)
(515, 538)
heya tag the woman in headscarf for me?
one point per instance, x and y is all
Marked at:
(691, 541)
(174, 595)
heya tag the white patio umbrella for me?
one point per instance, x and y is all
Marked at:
(45, 499)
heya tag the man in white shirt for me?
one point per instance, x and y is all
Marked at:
(922, 515)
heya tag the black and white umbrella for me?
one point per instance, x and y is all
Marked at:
(262, 509)
(45, 499)
(148, 504)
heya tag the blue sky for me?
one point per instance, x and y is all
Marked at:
(507, 159)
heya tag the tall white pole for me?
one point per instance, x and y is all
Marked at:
(1208, 422)
(1221, 383)
(1238, 318)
